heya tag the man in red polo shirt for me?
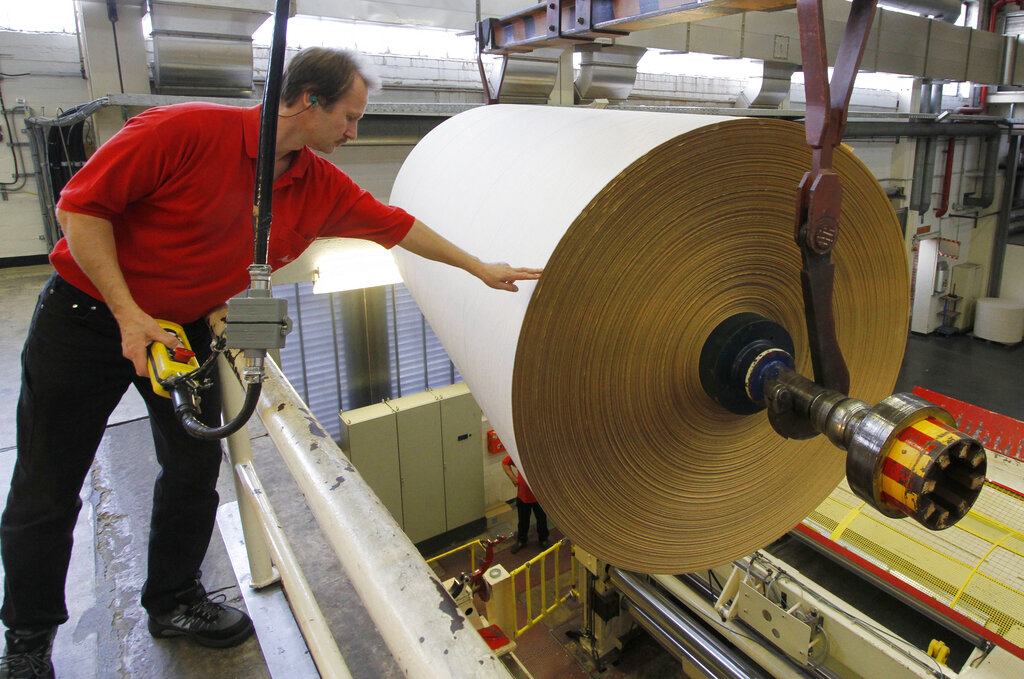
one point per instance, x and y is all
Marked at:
(158, 224)
(526, 502)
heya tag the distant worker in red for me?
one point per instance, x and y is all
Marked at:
(525, 503)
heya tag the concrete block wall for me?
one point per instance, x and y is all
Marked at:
(55, 83)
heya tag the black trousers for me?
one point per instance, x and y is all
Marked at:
(524, 509)
(73, 376)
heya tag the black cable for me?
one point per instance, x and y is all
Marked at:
(292, 115)
(68, 163)
(112, 15)
(67, 167)
(268, 136)
(13, 75)
(183, 391)
(61, 148)
(14, 151)
(200, 373)
(712, 581)
(185, 408)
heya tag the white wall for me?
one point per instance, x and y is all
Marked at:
(1013, 273)
(55, 83)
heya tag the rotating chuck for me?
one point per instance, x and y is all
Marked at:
(908, 456)
(904, 456)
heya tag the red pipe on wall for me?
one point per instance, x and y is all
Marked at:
(947, 180)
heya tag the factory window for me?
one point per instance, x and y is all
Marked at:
(418, 361)
(369, 37)
(314, 357)
(38, 16)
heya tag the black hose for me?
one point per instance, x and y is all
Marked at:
(182, 395)
(268, 136)
(185, 409)
(184, 404)
(112, 15)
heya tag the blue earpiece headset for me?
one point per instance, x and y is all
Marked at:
(312, 104)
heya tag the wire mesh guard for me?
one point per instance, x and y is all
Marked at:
(975, 567)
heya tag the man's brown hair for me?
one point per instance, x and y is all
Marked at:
(327, 72)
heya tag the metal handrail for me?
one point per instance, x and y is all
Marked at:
(418, 620)
(471, 546)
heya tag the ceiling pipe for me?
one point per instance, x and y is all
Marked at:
(866, 129)
(924, 154)
(988, 182)
(947, 179)
(983, 96)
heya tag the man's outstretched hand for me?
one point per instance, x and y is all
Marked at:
(501, 276)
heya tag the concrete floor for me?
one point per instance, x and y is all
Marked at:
(980, 372)
(107, 637)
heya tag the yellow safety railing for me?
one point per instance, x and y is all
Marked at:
(471, 546)
(549, 597)
(552, 553)
(972, 567)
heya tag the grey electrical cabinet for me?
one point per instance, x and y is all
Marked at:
(423, 455)
(462, 447)
(421, 460)
(369, 436)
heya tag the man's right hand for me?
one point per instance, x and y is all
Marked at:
(138, 331)
(91, 240)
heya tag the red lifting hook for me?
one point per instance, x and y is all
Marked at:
(820, 194)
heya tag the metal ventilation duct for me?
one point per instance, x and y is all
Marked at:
(607, 71)
(205, 48)
(771, 89)
(526, 78)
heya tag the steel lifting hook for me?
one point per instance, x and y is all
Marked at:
(820, 194)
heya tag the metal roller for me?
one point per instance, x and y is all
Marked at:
(904, 455)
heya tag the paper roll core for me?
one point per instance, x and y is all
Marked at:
(598, 391)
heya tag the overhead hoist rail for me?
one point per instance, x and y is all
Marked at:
(563, 22)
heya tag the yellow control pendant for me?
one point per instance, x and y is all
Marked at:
(166, 363)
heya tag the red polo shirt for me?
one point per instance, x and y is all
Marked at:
(177, 183)
(524, 493)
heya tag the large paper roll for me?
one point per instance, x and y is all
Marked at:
(999, 320)
(652, 228)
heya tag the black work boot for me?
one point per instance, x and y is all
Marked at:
(28, 655)
(203, 618)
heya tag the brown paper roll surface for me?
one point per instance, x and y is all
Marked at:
(625, 451)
